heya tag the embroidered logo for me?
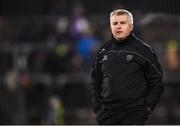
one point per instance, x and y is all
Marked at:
(129, 57)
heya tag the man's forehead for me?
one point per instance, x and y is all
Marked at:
(119, 17)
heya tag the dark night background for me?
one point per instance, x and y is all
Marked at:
(47, 48)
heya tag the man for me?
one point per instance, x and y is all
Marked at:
(126, 75)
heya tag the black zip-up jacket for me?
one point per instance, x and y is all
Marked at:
(126, 74)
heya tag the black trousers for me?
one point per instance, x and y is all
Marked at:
(133, 116)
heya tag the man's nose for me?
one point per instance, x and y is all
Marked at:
(119, 26)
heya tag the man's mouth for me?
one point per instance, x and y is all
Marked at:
(119, 32)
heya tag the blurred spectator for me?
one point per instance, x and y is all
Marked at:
(62, 29)
(79, 23)
(87, 44)
(11, 80)
(56, 111)
(172, 56)
(57, 61)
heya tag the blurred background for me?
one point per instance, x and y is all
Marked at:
(47, 48)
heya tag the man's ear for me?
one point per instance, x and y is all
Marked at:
(110, 25)
(132, 26)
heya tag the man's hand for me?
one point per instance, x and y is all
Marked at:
(149, 110)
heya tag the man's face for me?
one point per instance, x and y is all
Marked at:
(121, 26)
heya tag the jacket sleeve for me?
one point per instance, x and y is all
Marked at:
(96, 81)
(154, 75)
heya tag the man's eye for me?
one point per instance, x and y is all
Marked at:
(123, 22)
(115, 23)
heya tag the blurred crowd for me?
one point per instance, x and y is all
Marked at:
(45, 62)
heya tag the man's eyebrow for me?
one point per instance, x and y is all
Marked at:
(115, 22)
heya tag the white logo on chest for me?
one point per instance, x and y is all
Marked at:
(129, 57)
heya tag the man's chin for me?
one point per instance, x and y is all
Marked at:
(119, 38)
